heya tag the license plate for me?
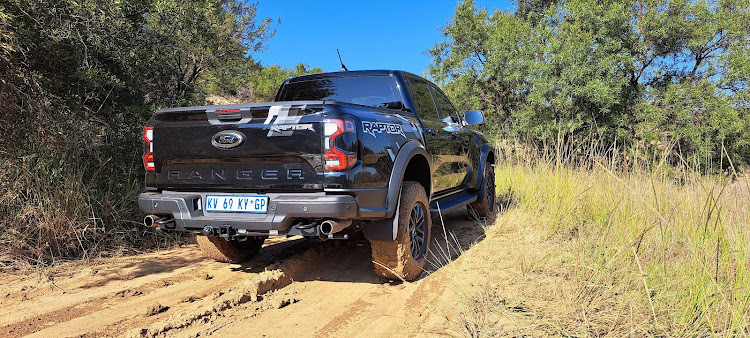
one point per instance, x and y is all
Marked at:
(223, 203)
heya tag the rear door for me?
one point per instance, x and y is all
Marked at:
(463, 146)
(438, 138)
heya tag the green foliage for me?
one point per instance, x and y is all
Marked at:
(78, 80)
(668, 75)
(249, 82)
(210, 36)
(267, 81)
(533, 8)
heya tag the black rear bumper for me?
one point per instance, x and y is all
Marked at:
(285, 211)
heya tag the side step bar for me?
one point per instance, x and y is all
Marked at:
(451, 202)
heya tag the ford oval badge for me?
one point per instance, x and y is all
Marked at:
(228, 139)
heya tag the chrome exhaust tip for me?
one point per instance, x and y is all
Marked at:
(331, 227)
(151, 221)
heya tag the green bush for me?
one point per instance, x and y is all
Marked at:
(79, 79)
(668, 76)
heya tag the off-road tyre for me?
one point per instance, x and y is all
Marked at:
(233, 251)
(484, 206)
(398, 260)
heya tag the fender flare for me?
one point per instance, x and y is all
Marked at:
(486, 150)
(387, 229)
(405, 154)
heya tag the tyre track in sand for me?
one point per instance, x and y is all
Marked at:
(338, 295)
(103, 297)
(292, 287)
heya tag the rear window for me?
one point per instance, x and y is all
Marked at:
(374, 91)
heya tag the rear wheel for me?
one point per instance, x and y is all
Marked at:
(229, 251)
(405, 257)
(484, 206)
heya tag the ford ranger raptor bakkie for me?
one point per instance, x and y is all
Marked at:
(372, 151)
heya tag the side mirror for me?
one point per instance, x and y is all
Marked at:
(397, 105)
(474, 117)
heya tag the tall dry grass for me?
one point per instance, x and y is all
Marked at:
(71, 197)
(650, 250)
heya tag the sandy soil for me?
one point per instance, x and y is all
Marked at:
(292, 288)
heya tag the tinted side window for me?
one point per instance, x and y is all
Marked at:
(446, 108)
(375, 91)
(422, 98)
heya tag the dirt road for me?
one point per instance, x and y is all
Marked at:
(292, 288)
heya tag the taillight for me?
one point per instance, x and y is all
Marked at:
(148, 157)
(340, 144)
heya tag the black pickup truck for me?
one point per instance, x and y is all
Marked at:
(372, 151)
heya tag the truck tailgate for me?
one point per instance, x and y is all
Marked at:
(273, 146)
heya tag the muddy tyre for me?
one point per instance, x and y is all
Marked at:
(222, 250)
(484, 206)
(405, 257)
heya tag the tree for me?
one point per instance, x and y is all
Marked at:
(483, 62)
(267, 81)
(78, 80)
(633, 72)
(210, 35)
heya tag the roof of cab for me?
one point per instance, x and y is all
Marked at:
(346, 74)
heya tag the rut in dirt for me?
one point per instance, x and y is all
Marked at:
(178, 290)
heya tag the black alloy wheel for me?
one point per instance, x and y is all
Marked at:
(418, 231)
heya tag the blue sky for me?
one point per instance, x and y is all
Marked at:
(383, 34)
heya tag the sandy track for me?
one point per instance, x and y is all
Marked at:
(293, 287)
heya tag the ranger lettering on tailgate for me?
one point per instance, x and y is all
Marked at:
(213, 174)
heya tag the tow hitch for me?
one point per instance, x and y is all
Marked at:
(223, 231)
